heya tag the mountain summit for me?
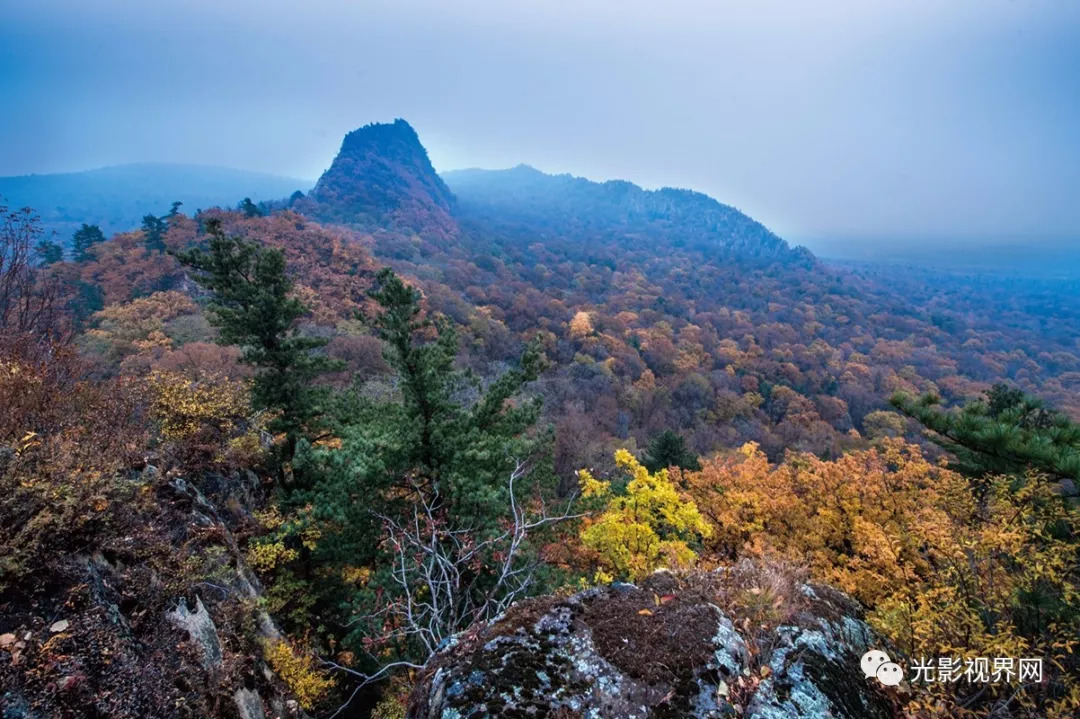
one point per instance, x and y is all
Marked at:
(382, 176)
(383, 179)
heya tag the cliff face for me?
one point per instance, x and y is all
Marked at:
(742, 642)
(382, 176)
(156, 616)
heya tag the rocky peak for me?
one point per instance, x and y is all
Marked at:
(382, 175)
(741, 642)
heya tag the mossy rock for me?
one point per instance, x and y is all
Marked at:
(687, 645)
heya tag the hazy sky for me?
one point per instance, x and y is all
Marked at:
(824, 118)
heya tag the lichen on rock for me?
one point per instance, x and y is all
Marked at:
(686, 645)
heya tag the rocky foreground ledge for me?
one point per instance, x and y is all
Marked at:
(746, 642)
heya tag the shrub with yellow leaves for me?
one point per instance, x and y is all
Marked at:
(649, 525)
(183, 406)
(947, 570)
(137, 327)
(297, 670)
(267, 556)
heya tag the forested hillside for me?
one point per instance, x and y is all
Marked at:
(525, 200)
(357, 422)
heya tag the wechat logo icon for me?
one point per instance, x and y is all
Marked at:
(876, 663)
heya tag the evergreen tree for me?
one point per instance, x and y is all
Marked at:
(49, 252)
(88, 299)
(174, 209)
(84, 238)
(249, 208)
(154, 233)
(451, 441)
(252, 308)
(1006, 433)
(444, 445)
(668, 449)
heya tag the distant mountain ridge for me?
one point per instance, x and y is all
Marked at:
(117, 197)
(382, 178)
(568, 205)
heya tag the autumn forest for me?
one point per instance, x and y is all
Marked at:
(353, 422)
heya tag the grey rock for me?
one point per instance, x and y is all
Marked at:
(200, 628)
(672, 646)
(248, 704)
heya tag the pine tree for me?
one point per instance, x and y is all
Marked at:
(154, 233)
(668, 449)
(451, 443)
(49, 252)
(84, 238)
(252, 308)
(1006, 433)
(249, 208)
(444, 445)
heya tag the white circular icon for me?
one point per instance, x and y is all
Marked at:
(890, 674)
(872, 660)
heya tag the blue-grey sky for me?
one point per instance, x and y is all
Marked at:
(906, 119)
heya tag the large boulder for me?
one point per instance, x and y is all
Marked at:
(745, 642)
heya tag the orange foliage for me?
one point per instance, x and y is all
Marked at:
(940, 566)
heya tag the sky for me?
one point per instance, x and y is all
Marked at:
(902, 121)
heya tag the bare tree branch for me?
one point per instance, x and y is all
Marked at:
(447, 578)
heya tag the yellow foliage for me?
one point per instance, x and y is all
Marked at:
(298, 671)
(390, 706)
(270, 518)
(158, 307)
(309, 537)
(182, 406)
(940, 568)
(268, 555)
(243, 451)
(644, 528)
(356, 575)
(137, 326)
(581, 326)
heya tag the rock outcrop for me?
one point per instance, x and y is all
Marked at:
(161, 617)
(745, 642)
(382, 177)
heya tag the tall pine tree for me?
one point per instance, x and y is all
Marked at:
(443, 444)
(252, 307)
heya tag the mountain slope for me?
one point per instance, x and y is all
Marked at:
(117, 198)
(563, 204)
